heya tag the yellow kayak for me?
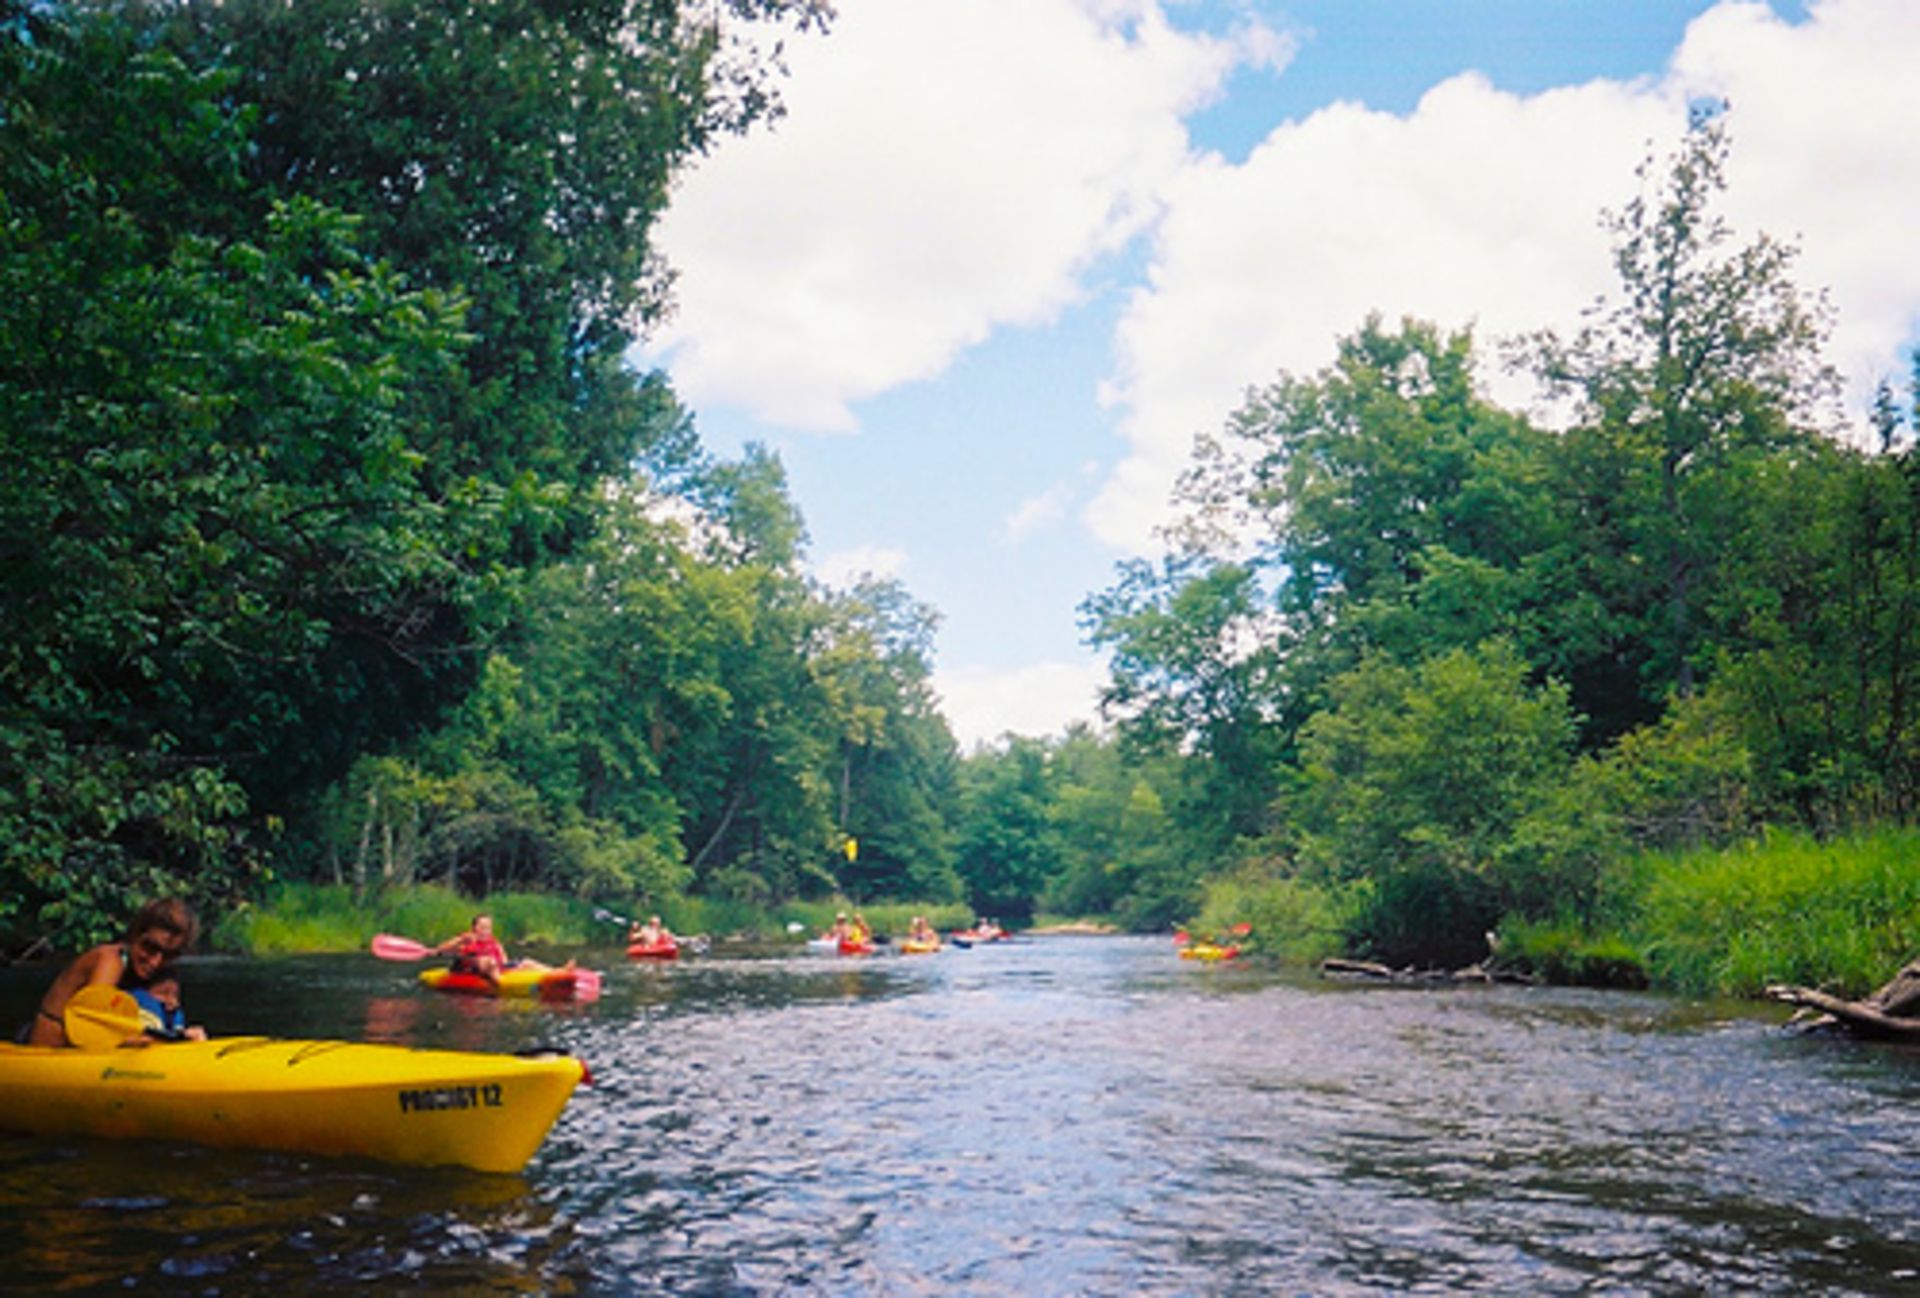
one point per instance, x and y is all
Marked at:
(392, 1103)
(917, 946)
(545, 984)
(1210, 952)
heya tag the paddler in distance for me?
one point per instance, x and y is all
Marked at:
(652, 933)
(159, 933)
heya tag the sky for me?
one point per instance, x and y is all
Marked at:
(1002, 260)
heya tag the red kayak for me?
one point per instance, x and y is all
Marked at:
(994, 934)
(667, 950)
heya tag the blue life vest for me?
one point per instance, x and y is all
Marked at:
(157, 1019)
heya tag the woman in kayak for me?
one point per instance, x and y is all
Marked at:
(159, 934)
(478, 951)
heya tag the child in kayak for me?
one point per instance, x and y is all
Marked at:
(161, 1013)
(157, 936)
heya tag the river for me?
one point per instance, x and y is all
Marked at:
(1060, 1115)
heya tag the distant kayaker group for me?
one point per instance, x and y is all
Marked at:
(142, 964)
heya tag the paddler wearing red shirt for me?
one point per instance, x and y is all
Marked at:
(478, 951)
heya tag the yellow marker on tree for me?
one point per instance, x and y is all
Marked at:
(853, 848)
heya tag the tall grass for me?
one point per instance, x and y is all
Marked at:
(1842, 914)
(1566, 951)
(321, 917)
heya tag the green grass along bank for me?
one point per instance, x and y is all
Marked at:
(1842, 914)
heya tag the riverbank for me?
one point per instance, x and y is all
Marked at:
(1072, 927)
(1841, 914)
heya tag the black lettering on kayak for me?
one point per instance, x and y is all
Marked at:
(436, 1099)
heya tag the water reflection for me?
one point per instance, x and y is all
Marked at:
(1063, 1116)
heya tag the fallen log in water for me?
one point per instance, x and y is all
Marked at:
(1888, 1013)
(1336, 966)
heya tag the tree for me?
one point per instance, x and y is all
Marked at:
(1006, 841)
(1193, 667)
(312, 342)
(221, 575)
(516, 153)
(1706, 354)
(1421, 779)
(873, 661)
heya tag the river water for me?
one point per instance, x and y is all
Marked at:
(1052, 1116)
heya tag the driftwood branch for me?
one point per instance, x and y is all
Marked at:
(1891, 1012)
(1335, 966)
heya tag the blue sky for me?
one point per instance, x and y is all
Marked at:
(1003, 259)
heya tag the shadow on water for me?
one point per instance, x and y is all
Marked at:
(1064, 1116)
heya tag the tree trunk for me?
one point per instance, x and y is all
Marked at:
(720, 830)
(366, 841)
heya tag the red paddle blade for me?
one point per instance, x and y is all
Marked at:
(389, 947)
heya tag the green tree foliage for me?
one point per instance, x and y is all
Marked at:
(223, 573)
(1193, 669)
(1480, 661)
(311, 349)
(1431, 781)
(896, 755)
(1081, 825)
(1707, 357)
(677, 712)
(1007, 843)
(516, 152)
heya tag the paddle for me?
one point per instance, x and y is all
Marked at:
(389, 947)
(99, 1017)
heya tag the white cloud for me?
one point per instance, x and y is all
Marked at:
(951, 167)
(982, 705)
(945, 167)
(1480, 208)
(845, 567)
(1825, 150)
(1037, 512)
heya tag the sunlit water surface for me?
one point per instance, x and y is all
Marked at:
(1053, 1116)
